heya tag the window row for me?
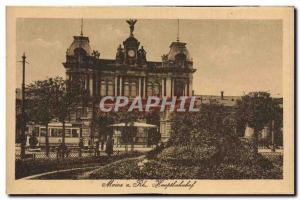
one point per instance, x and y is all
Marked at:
(57, 132)
(129, 88)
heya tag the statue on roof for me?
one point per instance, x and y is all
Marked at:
(131, 23)
(142, 56)
(120, 55)
(96, 54)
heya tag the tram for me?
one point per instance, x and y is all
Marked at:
(72, 134)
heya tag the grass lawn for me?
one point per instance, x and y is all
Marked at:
(32, 167)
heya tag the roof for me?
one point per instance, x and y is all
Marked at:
(79, 42)
(135, 124)
(229, 101)
(177, 48)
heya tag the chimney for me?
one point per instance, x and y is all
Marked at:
(222, 94)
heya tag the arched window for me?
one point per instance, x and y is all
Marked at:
(153, 89)
(133, 89)
(110, 88)
(126, 88)
(149, 89)
(103, 88)
(180, 59)
(179, 88)
(156, 89)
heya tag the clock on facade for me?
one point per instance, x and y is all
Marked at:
(131, 53)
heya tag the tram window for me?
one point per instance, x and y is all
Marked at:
(43, 132)
(68, 133)
(56, 132)
(75, 133)
(35, 131)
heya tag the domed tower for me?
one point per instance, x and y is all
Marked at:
(180, 63)
(79, 47)
(80, 60)
(179, 55)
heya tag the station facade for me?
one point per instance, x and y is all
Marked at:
(129, 74)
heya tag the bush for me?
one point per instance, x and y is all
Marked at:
(187, 155)
(142, 168)
(152, 154)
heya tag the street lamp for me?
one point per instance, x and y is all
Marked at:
(23, 127)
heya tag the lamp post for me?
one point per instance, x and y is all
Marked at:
(23, 127)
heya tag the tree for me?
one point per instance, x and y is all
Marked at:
(41, 104)
(153, 117)
(68, 96)
(205, 136)
(102, 120)
(256, 109)
(205, 127)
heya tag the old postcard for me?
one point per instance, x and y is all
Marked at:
(150, 100)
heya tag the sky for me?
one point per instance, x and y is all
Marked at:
(234, 56)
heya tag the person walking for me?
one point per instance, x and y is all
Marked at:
(109, 146)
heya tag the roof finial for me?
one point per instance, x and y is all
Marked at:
(177, 30)
(131, 23)
(81, 27)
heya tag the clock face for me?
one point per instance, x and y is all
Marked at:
(131, 53)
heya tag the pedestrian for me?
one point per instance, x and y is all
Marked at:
(109, 146)
(97, 152)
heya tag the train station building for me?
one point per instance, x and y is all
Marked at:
(128, 74)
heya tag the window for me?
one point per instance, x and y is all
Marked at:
(68, 133)
(179, 88)
(75, 133)
(153, 89)
(43, 132)
(103, 88)
(110, 89)
(35, 131)
(133, 90)
(156, 89)
(126, 88)
(84, 112)
(55, 132)
(149, 89)
(78, 114)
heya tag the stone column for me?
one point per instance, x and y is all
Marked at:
(91, 85)
(120, 93)
(173, 87)
(190, 87)
(140, 87)
(144, 92)
(116, 86)
(162, 87)
(86, 82)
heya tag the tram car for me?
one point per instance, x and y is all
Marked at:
(72, 134)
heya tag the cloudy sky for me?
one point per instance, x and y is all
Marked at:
(235, 56)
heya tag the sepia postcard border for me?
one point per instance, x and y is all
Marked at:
(207, 187)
